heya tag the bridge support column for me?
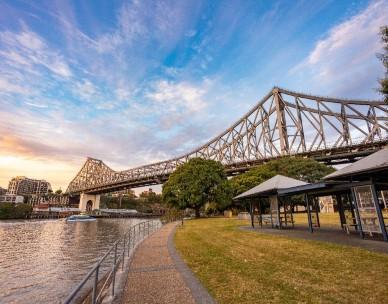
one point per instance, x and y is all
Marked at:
(89, 202)
(281, 122)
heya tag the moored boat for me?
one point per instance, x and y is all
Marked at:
(80, 218)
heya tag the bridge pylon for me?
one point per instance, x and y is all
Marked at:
(89, 202)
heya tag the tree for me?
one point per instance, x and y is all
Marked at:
(59, 191)
(196, 183)
(384, 59)
(304, 169)
(15, 211)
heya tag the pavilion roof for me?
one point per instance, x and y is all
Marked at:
(374, 162)
(271, 186)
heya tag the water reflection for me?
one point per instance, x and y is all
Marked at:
(41, 261)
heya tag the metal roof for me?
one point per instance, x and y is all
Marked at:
(375, 161)
(271, 186)
(301, 189)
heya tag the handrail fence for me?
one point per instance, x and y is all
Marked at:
(122, 248)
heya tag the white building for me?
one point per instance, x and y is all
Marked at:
(11, 198)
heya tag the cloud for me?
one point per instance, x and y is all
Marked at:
(340, 60)
(42, 106)
(181, 95)
(27, 48)
(6, 86)
(85, 89)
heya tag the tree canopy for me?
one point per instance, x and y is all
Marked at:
(384, 59)
(196, 183)
(304, 169)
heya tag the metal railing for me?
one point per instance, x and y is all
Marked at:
(117, 253)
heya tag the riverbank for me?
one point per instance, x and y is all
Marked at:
(14, 211)
(240, 266)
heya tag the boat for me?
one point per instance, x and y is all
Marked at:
(80, 218)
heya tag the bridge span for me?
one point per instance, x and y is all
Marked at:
(283, 123)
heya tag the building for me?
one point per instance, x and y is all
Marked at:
(52, 199)
(11, 198)
(3, 191)
(22, 185)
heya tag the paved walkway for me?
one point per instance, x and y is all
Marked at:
(157, 274)
(327, 234)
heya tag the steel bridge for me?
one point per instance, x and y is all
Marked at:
(283, 123)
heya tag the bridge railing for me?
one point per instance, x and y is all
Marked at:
(100, 281)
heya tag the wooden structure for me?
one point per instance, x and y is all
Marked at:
(266, 195)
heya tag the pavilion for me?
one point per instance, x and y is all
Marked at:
(280, 210)
(360, 190)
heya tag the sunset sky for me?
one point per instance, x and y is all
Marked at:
(133, 82)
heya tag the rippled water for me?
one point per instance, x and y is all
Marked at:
(41, 261)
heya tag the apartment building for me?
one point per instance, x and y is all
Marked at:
(22, 185)
(3, 191)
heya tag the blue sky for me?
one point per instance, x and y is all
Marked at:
(132, 82)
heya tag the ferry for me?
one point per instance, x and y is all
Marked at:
(80, 218)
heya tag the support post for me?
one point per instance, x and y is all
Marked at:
(279, 219)
(379, 213)
(338, 198)
(114, 271)
(316, 207)
(252, 215)
(129, 241)
(122, 262)
(306, 199)
(95, 285)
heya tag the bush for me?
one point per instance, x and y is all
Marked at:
(15, 211)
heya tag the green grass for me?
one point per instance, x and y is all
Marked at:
(240, 266)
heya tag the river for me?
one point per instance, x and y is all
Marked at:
(42, 261)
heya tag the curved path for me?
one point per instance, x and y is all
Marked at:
(157, 274)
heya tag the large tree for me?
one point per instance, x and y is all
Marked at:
(304, 169)
(384, 59)
(196, 183)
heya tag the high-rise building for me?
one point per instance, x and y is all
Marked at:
(3, 191)
(22, 185)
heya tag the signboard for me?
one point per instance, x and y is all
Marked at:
(367, 209)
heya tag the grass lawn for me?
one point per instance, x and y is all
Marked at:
(240, 266)
(326, 219)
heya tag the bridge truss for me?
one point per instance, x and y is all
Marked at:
(283, 123)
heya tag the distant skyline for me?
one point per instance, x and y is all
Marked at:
(134, 82)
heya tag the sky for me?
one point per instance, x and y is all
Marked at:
(135, 82)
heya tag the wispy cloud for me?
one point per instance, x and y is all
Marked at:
(177, 96)
(345, 58)
(6, 86)
(27, 48)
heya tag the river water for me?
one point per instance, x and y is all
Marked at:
(42, 261)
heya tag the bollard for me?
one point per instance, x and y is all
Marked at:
(94, 296)
(114, 271)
